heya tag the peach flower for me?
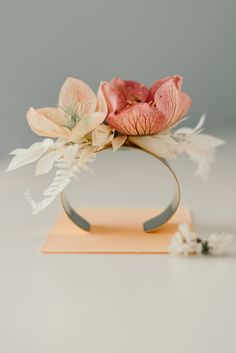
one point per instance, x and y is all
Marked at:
(79, 111)
(133, 109)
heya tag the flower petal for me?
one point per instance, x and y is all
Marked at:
(113, 100)
(130, 90)
(139, 119)
(173, 103)
(102, 135)
(43, 126)
(161, 145)
(157, 84)
(86, 125)
(56, 115)
(101, 102)
(118, 141)
(73, 91)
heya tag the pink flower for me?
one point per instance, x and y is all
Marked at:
(79, 111)
(133, 109)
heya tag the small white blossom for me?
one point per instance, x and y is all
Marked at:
(187, 242)
(219, 243)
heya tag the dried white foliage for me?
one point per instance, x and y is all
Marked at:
(89, 134)
(68, 168)
(200, 147)
(162, 145)
(45, 163)
(167, 144)
(23, 156)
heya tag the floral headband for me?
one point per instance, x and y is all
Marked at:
(123, 113)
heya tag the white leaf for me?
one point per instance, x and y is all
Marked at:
(60, 142)
(201, 149)
(45, 164)
(203, 163)
(30, 155)
(118, 141)
(200, 124)
(188, 130)
(70, 152)
(47, 143)
(163, 146)
(85, 155)
(182, 132)
(179, 122)
(206, 142)
(17, 151)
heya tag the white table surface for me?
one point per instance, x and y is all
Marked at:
(118, 303)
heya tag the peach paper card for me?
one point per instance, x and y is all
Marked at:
(113, 230)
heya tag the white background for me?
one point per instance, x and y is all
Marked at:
(118, 303)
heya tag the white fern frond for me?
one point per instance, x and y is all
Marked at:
(62, 178)
(65, 173)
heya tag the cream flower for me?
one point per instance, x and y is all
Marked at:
(79, 112)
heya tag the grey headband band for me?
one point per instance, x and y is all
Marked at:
(148, 226)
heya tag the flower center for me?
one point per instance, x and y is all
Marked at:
(137, 99)
(134, 100)
(151, 103)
